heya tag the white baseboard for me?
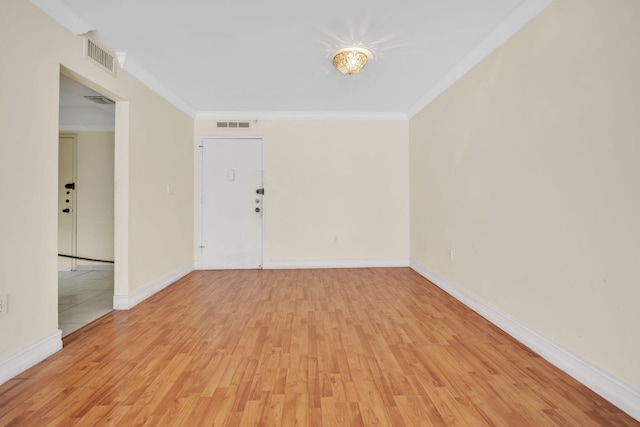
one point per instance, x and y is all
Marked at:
(90, 267)
(29, 356)
(336, 263)
(623, 395)
(125, 302)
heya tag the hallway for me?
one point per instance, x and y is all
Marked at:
(83, 296)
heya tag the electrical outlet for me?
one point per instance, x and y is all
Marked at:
(3, 304)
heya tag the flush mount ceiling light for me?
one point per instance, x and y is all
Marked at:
(351, 60)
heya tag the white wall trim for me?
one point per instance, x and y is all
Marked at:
(125, 302)
(298, 115)
(64, 15)
(524, 13)
(154, 84)
(71, 20)
(623, 395)
(336, 263)
(29, 356)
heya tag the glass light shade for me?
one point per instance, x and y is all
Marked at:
(351, 60)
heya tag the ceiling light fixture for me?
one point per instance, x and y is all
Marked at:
(351, 60)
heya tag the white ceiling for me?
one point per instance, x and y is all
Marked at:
(256, 58)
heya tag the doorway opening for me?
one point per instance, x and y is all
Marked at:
(85, 205)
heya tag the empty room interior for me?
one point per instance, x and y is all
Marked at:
(320, 213)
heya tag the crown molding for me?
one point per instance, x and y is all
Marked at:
(295, 115)
(64, 15)
(521, 15)
(71, 20)
(154, 84)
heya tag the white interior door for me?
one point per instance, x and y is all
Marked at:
(231, 211)
(66, 201)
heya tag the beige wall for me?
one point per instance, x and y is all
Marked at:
(160, 221)
(335, 190)
(528, 169)
(94, 199)
(154, 230)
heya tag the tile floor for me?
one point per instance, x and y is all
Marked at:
(83, 296)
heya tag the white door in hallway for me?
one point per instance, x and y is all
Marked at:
(231, 209)
(66, 201)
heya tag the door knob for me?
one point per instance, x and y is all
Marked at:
(257, 209)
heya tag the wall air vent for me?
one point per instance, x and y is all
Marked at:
(99, 99)
(100, 56)
(233, 124)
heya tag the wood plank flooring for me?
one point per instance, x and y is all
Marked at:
(361, 347)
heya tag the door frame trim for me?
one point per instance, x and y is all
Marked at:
(198, 265)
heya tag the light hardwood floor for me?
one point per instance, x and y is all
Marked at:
(296, 348)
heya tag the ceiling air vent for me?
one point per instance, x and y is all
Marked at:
(99, 99)
(233, 124)
(100, 56)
